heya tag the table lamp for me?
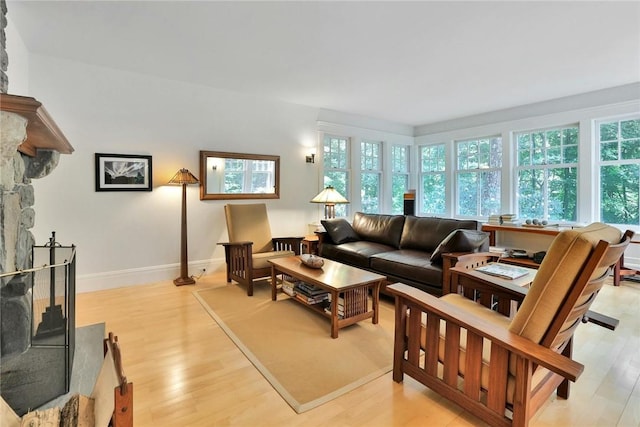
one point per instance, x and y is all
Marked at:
(329, 196)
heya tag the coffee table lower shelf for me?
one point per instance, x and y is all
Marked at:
(354, 301)
(348, 287)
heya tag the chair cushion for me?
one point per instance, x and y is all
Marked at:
(249, 223)
(460, 240)
(555, 277)
(340, 230)
(261, 260)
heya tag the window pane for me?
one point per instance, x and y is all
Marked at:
(619, 194)
(562, 184)
(432, 158)
(570, 154)
(339, 181)
(369, 192)
(531, 194)
(433, 193)
(609, 131)
(400, 159)
(630, 129)
(630, 149)
(490, 193)
(609, 151)
(468, 194)
(478, 175)
(399, 186)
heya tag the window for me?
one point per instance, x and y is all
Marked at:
(547, 174)
(336, 167)
(370, 176)
(432, 179)
(619, 158)
(400, 170)
(478, 176)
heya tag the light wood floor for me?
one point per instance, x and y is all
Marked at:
(186, 372)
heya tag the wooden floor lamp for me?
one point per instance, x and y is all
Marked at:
(184, 177)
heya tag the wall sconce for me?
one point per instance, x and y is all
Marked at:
(311, 158)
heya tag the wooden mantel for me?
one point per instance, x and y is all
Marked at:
(42, 131)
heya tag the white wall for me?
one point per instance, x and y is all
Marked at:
(18, 68)
(126, 238)
(133, 237)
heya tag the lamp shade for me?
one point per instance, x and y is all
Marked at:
(183, 176)
(329, 196)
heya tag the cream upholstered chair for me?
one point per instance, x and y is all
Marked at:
(500, 369)
(250, 244)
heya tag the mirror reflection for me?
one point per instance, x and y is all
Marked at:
(238, 176)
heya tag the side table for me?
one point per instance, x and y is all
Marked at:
(310, 245)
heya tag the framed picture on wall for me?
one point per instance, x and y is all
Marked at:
(123, 172)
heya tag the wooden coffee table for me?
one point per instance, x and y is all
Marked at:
(341, 281)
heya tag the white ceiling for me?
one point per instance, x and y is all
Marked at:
(408, 62)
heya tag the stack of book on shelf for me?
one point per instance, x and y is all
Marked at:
(288, 285)
(310, 294)
(340, 307)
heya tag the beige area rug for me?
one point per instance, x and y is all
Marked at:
(292, 346)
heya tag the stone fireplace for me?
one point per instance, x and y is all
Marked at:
(30, 148)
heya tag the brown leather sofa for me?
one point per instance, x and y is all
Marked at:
(406, 249)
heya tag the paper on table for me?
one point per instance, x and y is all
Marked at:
(502, 270)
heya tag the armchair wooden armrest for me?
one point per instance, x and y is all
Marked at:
(515, 344)
(418, 349)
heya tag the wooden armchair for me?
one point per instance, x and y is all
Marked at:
(504, 369)
(251, 245)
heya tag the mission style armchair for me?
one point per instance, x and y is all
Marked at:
(465, 346)
(251, 245)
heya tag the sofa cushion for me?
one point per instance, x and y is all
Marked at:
(353, 253)
(460, 241)
(426, 233)
(339, 230)
(409, 264)
(384, 229)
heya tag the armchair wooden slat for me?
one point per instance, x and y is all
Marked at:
(500, 369)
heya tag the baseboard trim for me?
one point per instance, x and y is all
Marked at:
(143, 275)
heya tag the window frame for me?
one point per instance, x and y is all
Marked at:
(546, 167)
(600, 163)
(480, 173)
(341, 210)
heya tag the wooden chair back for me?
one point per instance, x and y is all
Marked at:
(249, 223)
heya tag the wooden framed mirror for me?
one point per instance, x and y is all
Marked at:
(238, 176)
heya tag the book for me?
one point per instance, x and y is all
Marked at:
(504, 271)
